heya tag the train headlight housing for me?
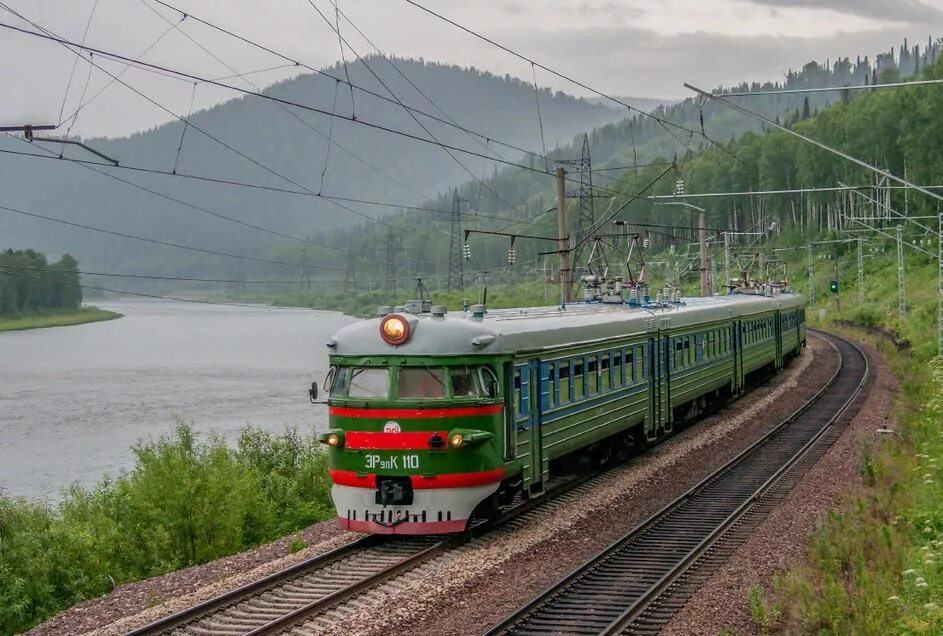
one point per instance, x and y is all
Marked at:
(394, 329)
(463, 437)
(333, 438)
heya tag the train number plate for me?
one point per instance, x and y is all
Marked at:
(405, 461)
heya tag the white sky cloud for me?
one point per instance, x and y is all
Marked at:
(626, 47)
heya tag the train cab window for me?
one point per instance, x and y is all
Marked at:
(464, 382)
(489, 382)
(368, 382)
(421, 383)
(337, 380)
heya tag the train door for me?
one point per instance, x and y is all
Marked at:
(654, 389)
(525, 385)
(665, 380)
(657, 386)
(778, 334)
(737, 349)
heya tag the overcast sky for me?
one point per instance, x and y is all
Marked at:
(625, 47)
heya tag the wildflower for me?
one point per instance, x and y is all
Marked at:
(893, 598)
(909, 572)
(927, 530)
(929, 562)
(931, 606)
(928, 475)
(921, 583)
(927, 548)
(928, 481)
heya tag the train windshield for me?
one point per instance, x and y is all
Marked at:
(365, 382)
(421, 382)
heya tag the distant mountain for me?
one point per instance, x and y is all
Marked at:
(646, 104)
(293, 144)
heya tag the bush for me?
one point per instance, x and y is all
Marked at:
(185, 502)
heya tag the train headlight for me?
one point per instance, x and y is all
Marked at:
(334, 439)
(466, 437)
(394, 329)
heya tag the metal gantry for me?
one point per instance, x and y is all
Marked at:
(456, 274)
(860, 272)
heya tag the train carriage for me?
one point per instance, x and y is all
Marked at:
(434, 415)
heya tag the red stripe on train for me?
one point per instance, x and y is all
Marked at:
(412, 440)
(461, 411)
(447, 480)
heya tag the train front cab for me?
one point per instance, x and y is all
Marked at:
(415, 443)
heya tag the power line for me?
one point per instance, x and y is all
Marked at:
(295, 62)
(829, 89)
(242, 76)
(159, 242)
(91, 166)
(400, 102)
(198, 78)
(521, 56)
(51, 36)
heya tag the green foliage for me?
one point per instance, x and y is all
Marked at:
(40, 287)
(57, 318)
(187, 501)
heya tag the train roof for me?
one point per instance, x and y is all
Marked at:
(510, 331)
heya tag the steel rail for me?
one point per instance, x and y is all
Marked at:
(563, 590)
(199, 611)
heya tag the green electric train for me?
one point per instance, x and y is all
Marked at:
(435, 415)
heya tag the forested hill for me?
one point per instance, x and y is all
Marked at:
(372, 164)
(631, 141)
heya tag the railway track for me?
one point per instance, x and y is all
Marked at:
(300, 593)
(637, 584)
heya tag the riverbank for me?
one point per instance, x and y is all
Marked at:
(58, 318)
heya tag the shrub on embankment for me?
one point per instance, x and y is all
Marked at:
(187, 501)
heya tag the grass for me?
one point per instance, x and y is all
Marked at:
(57, 318)
(188, 500)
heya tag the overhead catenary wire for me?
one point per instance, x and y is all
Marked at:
(153, 241)
(166, 173)
(664, 122)
(75, 63)
(167, 197)
(412, 115)
(329, 137)
(318, 71)
(69, 46)
(141, 64)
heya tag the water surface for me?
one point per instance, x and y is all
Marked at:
(73, 400)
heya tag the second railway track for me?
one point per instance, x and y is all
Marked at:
(639, 582)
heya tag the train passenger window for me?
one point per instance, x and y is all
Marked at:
(605, 373)
(368, 382)
(592, 376)
(464, 383)
(618, 370)
(421, 383)
(579, 384)
(489, 382)
(563, 382)
(629, 372)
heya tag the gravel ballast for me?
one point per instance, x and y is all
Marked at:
(469, 589)
(781, 539)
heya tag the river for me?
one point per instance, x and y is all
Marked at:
(73, 400)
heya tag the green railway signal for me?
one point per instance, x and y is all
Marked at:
(833, 286)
